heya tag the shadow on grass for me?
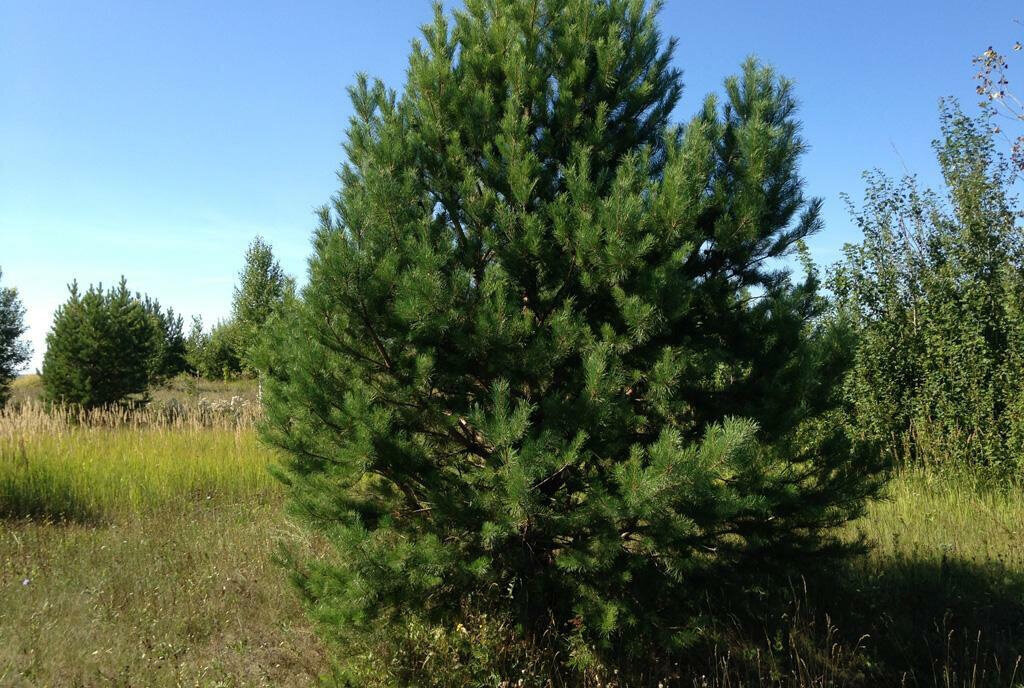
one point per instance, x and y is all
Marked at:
(45, 496)
(948, 622)
(876, 622)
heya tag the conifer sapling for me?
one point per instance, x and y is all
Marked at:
(547, 366)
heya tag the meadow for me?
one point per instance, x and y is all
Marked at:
(138, 549)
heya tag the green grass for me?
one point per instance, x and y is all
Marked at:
(184, 596)
(136, 550)
(941, 594)
(52, 466)
(937, 601)
(955, 515)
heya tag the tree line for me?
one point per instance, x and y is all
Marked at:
(109, 346)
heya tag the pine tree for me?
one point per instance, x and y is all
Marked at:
(261, 288)
(196, 347)
(548, 371)
(14, 351)
(100, 349)
(169, 355)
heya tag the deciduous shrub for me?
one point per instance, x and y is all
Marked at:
(935, 294)
(14, 351)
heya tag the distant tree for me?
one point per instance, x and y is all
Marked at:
(935, 292)
(14, 351)
(261, 289)
(169, 358)
(549, 377)
(100, 349)
(213, 355)
(227, 349)
(195, 346)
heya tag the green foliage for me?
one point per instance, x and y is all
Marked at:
(214, 355)
(226, 351)
(100, 349)
(195, 347)
(14, 351)
(261, 289)
(170, 353)
(934, 292)
(547, 367)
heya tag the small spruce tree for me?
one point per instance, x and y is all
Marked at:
(14, 351)
(548, 375)
(100, 349)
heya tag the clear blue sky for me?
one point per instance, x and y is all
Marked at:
(155, 139)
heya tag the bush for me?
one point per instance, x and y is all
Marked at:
(547, 370)
(936, 296)
(101, 348)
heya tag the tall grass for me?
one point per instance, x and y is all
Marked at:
(86, 466)
(953, 513)
(136, 551)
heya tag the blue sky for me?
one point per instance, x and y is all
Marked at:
(155, 139)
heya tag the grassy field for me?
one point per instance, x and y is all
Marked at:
(56, 467)
(138, 551)
(937, 601)
(184, 596)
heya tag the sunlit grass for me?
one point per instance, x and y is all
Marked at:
(187, 595)
(952, 515)
(62, 466)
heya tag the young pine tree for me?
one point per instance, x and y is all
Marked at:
(14, 351)
(547, 370)
(100, 349)
(170, 347)
(196, 347)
